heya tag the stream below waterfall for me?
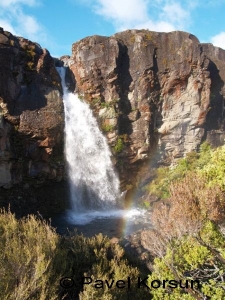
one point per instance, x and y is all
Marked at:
(115, 223)
(95, 198)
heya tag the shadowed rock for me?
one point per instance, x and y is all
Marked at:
(31, 114)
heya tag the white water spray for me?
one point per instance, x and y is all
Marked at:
(93, 182)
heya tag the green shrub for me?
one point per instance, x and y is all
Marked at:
(30, 66)
(95, 102)
(187, 239)
(33, 259)
(110, 265)
(164, 176)
(192, 258)
(214, 169)
(26, 250)
(146, 205)
(119, 145)
(107, 127)
(105, 104)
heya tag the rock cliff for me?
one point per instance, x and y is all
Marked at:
(31, 116)
(156, 96)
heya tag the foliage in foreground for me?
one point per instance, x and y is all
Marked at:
(188, 239)
(33, 259)
(188, 243)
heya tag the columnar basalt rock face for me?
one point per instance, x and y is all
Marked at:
(151, 92)
(31, 114)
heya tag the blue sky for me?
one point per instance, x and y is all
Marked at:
(56, 24)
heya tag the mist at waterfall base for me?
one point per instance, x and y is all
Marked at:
(93, 183)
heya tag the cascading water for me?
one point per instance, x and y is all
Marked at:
(93, 182)
(94, 186)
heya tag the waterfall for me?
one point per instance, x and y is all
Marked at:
(93, 182)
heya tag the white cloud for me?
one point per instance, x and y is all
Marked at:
(219, 40)
(175, 14)
(126, 11)
(158, 15)
(7, 3)
(14, 20)
(159, 26)
(7, 26)
(31, 26)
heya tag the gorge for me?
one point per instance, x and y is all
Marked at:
(156, 97)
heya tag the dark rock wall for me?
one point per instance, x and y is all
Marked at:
(31, 116)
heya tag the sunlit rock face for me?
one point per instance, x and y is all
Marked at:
(154, 94)
(31, 114)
